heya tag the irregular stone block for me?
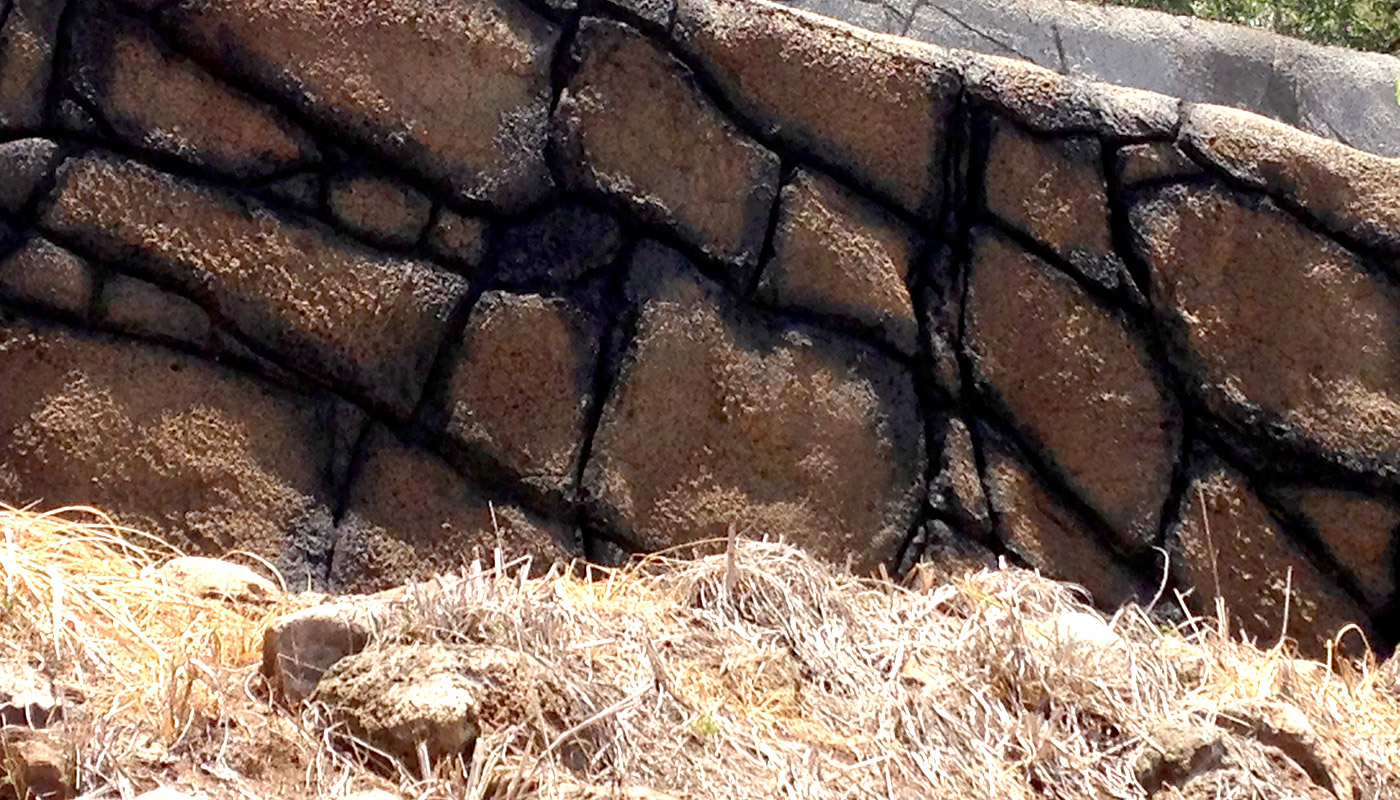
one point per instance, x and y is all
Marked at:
(24, 165)
(1050, 536)
(145, 309)
(1284, 334)
(1233, 548)
(1352, 192)
(871, 106)
(717, 419)
(1154, 161)
(380, 209)
(456, 91)
(216, 579)
(561, 246)
(634, 125)
(156, 100)
(332, 308)
(410, 515)
(27, 43)
(167, 443)
(458, 240)
(1361, 532)
(836, 253)
(299, 647)
(1054, 191)
(45, 275)
(656, 12)
(1077, 381)
(957, 486)
(521, 381)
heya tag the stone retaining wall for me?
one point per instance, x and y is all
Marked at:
(372, 286)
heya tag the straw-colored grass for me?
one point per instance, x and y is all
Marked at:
(755, 673)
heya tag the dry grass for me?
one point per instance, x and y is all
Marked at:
(761, 673)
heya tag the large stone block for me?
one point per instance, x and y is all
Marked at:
(1232, 548)
(208, 458)
(25, 164)
(331, 308)
(1071, 374)
(634, 125)
(718, 420)
(1283, 333)
(28, 34)
(410, 515)
(456, 91)
(520, 384)
(156, 100)
(873, 106)
(839, 254)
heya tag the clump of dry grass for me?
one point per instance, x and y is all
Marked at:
(759, 672)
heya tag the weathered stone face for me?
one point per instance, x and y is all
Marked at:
(1282, 331)
(42, 274)
(874, 107)
(147, 310)
(1071, 374)
(456, 92)
(1361, 532)
(27, 41)
(717, 419)
(382, 210)
(635, 127)
(24, 165)
(330, 307)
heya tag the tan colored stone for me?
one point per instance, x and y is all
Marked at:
(1232, 548)
(1069, 372)
(378, 208)
(874, 106)
(299, 647)
(521, 385)
(27, 43)
(24, 165)
(458, 240)
(167, 443)
(1355, 192)
(216, 579)
(456, 91)
(1050, 536)
(159, 101)
(45, 275)
(836, 253)
(717, 420)
(334, 309)
(1361, 532)
(410, 515)
(1284, 330)
(1154, 161)
(634, 125)
(146, 309)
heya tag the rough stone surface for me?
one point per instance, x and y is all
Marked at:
(156, 100)
(380, 209)
(27, 41)
(388, 75)
(634, 125)
(1361, 532)
(1282, 332)
(410, 515)
(1177, 753)
(561, 246)
(24, 165)
(216, 579)
(836, 253)
(521, 384)
(334, 309)
(299, 647)
(36, 765)
(958, 484)
(1070, 373)
(873, 107)
(458, 240)
(145, 309)
(718, 419)
(1155, 161)
(1232, 547)
(44, 275)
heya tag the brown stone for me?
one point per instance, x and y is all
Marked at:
(145, 309)
(836, 253)
(1069, 371)
(1354, 192)
(410, 515)
(36, 765)
(299, 647)
(1154, 161)
(874, 106)
(634, 125)
(457, 92)
(155, 100)
(1361, 532)
(1281, 330)
(958, 484)
(1050, 536)
(521, 384)
(1176, 753)
(332, 308)
(1054, 191)
(27, 43)
(1233, 549)
(45, 275)
(458, 240)
(718, 420)
(24, 165)
(169, 444)
(380, 209)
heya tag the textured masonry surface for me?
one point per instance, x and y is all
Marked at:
(373, 287)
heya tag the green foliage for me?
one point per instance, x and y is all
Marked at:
(1361, 24)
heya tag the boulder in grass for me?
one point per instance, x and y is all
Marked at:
(214, 579)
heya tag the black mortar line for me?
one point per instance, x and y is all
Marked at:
(5, 8)
(769, 249)
(59, 61)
